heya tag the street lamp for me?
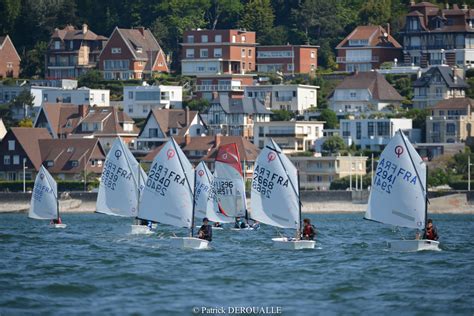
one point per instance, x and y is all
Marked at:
(24, 175)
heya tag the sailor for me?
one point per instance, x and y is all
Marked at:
(431, 233)
(205, 232)
(239, 223)
(309, 231)
(256, 225)
(56, 221)
(217, 224)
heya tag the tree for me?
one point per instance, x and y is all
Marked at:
(226, 10)
(10, 11)
(333, 144)
(375, 12)
(259, 17)
(91, 79)
(200, 105)
(24, 101)
(32, 63)
(282, 115)
(330, 117)
(26, 122)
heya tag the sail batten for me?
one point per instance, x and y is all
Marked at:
(44, 198)
(168, 193)
(398, 193)
(120, 185)
(275, 200)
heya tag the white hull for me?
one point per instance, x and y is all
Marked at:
(213, 228)
(285, 243)
(189, 243)
(58, 225)
(413, 245)
(246, 228)
(140, 230)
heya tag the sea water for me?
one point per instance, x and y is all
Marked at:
(95, 266)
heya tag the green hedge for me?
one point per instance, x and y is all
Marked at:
(459, 184)
(17, 186)
(344, 183)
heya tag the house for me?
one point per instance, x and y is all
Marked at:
(363, 92)
(60, 119)
(9, 58)
(236, 117)
(221, 60)
(3, 129)
(72, 52)
(317, 173)
(138, 101)
(82, 95)
(366, 48)
(374, 134)
(205, 149)
(296, 98)
(68, 159)
(291, 136)
(106, 124)
(436, 84)
(287, 59)
(161, 124)
(132, 54)
(434, 36)
(24, 150)
(451, 121)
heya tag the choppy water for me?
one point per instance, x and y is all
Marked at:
(95, 267)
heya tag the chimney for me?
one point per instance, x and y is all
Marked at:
(215, 95)
(447, 6)
(141, 29)
(388, 28)
(186, 116)
(418, 74)
(465, 7)
(458, 72)
(85, 28)
(83, 109)
(187, 139)
(217, 140)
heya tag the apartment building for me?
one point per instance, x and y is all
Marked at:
(9, 58)
(287, 59)
(138, 101)
(83, 95)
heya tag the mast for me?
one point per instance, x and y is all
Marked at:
(57, 208)
(138, 188)
(194, 205)
(299, 206)
(426, 197)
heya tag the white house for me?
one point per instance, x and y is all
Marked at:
(296, 98)
(291, 136)
(375, 134)
(363, 92)
(164, 123)
(138, 101)
(83, 95)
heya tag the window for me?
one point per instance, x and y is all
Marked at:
(383, 128)
(139, 50)
(450, 129)
(57, 45)
(275, 54)
(204, 38)
(346, 129)
(130, 110)
(439, 92)
(130, 94)
(358, 130)
(74, 163)
(233, 38)
(71, 45)
(290, 67)
(243, 38)
(116, 50)
(49, 163)
(217, 52)
(313, 54)
(243, 52)
(370, 129)
(353, 94)
(6, 159)
(190, 38)
(243, 65)
(190, 53)
(95, 126)
(203, 53)
(250, 53)
(218, 38)
(11, 145)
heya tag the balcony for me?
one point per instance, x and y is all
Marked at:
(276, 134)
(343, 60)
(284, 98)
(215, 87)
(62, 64)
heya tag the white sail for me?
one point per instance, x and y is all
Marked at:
(229, 182)
(168, 194)
(205, 197)
(119, 183)
(398, 193)
(44, 199)
(275, 193)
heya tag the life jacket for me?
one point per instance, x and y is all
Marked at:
(308, 230)
(430, 234)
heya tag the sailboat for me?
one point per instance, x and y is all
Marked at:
(120, 185)
(399, 194)
(275, 196)
(44, 199)
(168, 196)
(229, 182)
(206, 204)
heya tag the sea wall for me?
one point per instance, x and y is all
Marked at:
(312, 201)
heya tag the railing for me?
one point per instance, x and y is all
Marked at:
(284, 134)
(61, 64)
(372, 59)
(284, 98)
(218, 88)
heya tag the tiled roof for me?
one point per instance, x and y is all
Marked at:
(373, 34)
(456, 103)
(135, 39)
(172, 118)
(63, 118)
(29, 141)
(64, 151)
(241, 105)
(71, 33)
(207, 144)
(110, 118)
(374, 82)
(446, 73)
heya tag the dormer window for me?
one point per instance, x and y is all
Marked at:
(57, 45)
(71, 45)
(359, 42)
(70, 149)
(413, 24)
(49, 163)
(74, 163)
(139, 50)
(116, 50)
